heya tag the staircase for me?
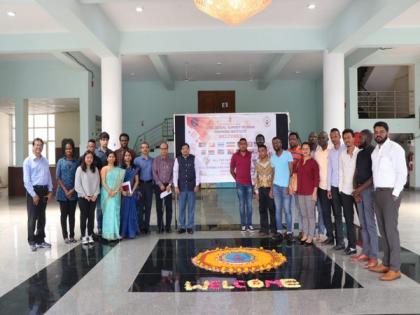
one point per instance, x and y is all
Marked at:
(154, 136)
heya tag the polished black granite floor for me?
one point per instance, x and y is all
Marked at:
(169, 266)
(37, 294)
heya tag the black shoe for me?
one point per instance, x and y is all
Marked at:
(181, 231)
(339, 247)
(350, 251)
(306, 244)
(190, 231)
(168, 230)
(328, 241)
(278, 237)
(289, 239)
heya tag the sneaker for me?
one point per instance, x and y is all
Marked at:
(85, 240)
(33, 247)
(90, 239)
(350, 251)
(243, 228)
(44, 245)
(251, 228)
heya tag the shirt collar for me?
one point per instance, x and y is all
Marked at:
(33, 157)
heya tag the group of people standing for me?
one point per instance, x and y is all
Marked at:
(331, 178)
(116, 185)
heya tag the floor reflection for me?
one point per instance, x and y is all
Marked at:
(37, 294)
(169, 266)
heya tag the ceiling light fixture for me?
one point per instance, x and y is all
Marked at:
(11, 14)
(297, 72)
(139, 9)
(132, 74)
(218, 73)
(312, 6)
(219, 63)
(232, 12)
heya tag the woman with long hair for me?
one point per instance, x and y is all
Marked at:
(129, 224)
(307, 187)
(66, 194)
(87, 188)
(112, 178)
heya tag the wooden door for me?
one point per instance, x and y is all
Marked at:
(216, 102)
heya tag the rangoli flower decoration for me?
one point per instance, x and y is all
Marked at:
(239, 260)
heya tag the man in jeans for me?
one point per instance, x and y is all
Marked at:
(263, 183)
(240, 169)
(363, 194)
(297, 155)
(187, 183)
(282, 162)
(38, 185)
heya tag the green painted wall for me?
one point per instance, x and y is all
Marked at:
(150, 102)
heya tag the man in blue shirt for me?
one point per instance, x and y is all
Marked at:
(102, 153)
(38, 185)
(282, 162)
(144, 165)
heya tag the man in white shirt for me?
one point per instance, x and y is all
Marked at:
(389, 170)
(347, 167)
(324, 204)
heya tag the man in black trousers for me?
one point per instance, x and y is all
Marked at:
(38, 185)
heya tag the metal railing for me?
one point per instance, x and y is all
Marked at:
(155, 135)
(386, 104)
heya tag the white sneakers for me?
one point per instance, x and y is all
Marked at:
(87, 240)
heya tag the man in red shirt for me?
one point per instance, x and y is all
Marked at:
(240, 169)
(297, 154)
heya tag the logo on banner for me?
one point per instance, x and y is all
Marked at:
(267, 121)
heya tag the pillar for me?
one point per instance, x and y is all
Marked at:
(111, 91)
(334, 91)
(21, 124)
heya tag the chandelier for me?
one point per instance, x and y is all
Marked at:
(232, 12)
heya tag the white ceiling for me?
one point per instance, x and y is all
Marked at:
(182, 14)
(223, 67)
(30, 18)
(410, 18)
(43, 105)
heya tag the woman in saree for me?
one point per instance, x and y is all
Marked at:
(129, 224)
(112, 178)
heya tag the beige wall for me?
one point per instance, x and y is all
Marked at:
(67, 125)
(6, 154)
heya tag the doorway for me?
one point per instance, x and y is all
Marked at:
(216, 102)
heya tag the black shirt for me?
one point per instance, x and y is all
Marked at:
(364, 165)
(96, 161)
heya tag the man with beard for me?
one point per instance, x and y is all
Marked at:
(323, 204)
(389, 177)
(313, 142)
(363, 194)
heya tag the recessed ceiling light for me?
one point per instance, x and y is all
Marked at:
(11, 14)
(139, 9)
(218, 73)
(132, 74)
(219, 63)
(297, 72)
(312, 6)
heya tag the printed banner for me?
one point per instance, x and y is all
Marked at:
(213, 138)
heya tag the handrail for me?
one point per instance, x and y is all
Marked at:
(386, 104)
(153, 136)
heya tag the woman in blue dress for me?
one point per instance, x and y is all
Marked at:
(112, 178)
(129, 225)
(66, 194)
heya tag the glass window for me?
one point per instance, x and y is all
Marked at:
(41, 121)
(51, 120)
(30, 134)
(41, 133)
(13, 121)
(30, 121)
(51, 152)
(30, 148)
(14, 153)
(51, 134)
